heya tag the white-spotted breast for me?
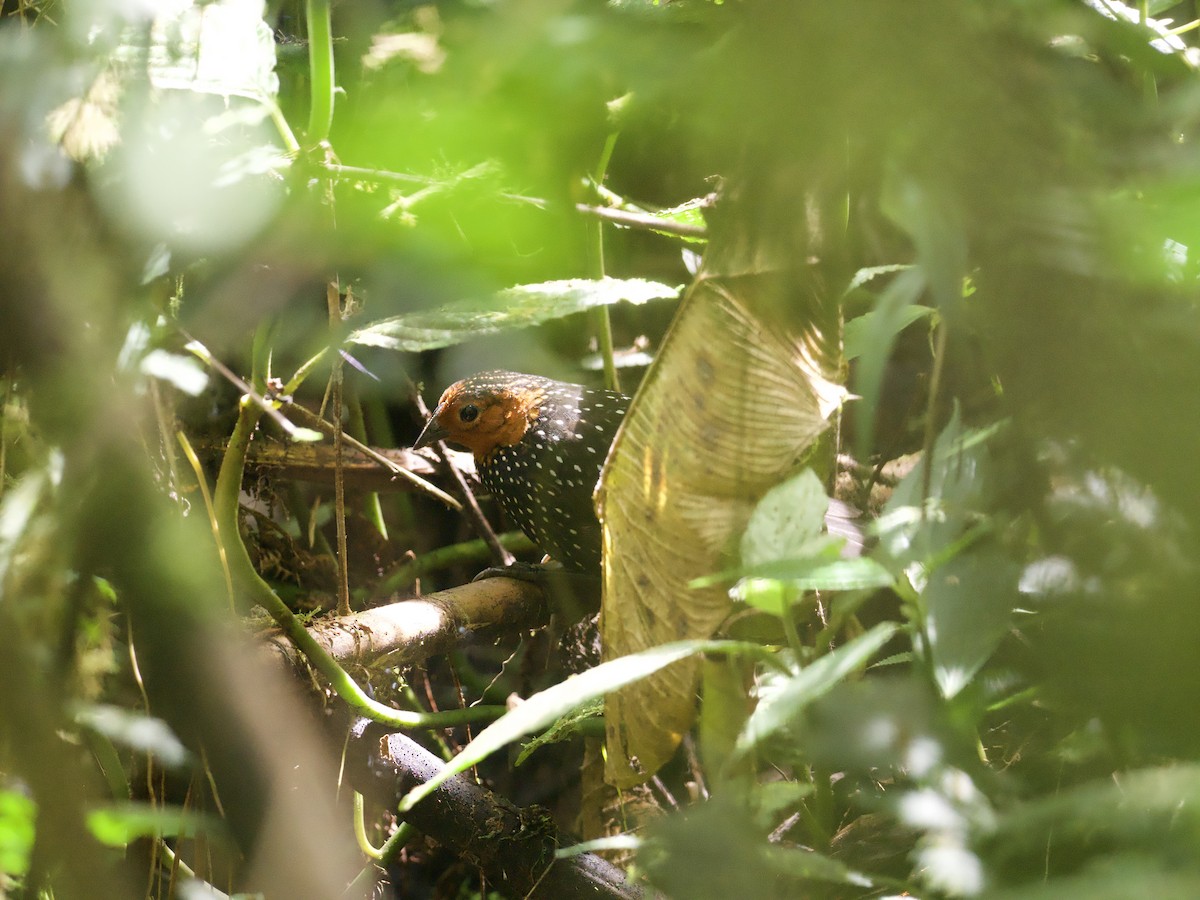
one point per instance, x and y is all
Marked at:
(538, 446)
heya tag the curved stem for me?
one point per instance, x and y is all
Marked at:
(229, 482)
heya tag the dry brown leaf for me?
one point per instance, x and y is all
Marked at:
(746, 381)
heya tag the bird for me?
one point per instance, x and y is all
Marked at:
(539, 445)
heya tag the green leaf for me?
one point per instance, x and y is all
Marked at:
(141, 733)
(564, 729)
(875, 347)
(515, 308)
(18, 815)
(1154, 809)
(915, 528)
(865, 332)
(544, 708)
(820, 574)
(689, 213)
(810, 865)
(118, 824)
(780, 708)
(183, 372)
(822, 571)
(788, 517)
(968, 610)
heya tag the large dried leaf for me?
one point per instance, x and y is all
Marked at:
(746, 381)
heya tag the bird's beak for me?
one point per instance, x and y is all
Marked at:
(431, 433)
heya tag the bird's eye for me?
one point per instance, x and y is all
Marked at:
(469, 413)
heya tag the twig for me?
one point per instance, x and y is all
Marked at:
(315, 421)
(643, 221)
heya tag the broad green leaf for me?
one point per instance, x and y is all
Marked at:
(118, 824)
(781, 707)
(1116, 876)
(545, 708)
(802, 863)
(968, 609)
(788, 517)
(515, 308)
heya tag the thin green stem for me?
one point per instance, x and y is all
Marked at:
(387, 853)
(443, 557)
(600, 317)
(320, 69)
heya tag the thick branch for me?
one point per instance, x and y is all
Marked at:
(411, 630)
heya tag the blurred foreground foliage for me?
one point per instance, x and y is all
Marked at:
(996, 698)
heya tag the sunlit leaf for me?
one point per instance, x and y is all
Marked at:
(223, 47)
(517, 307)
(564, 729)
(183, 372)
(545, 708)
(714, 426)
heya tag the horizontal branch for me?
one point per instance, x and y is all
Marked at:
(314, 463)
(412, 630)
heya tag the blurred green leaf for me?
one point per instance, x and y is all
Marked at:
(968, 605)
(511, 309)
(118, 824)
(139, 732)
(18, 815)
(875, 346)
(914, 527)
(779, 708)
(819, 574)
(864, 334)
(1154, 810)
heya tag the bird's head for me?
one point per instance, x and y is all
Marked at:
(484, 413)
